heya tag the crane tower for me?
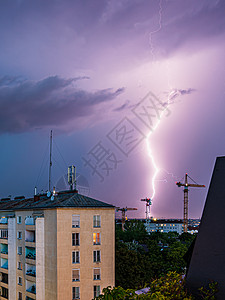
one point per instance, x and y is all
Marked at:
(148, 204)
(123, 211)
(186, 185)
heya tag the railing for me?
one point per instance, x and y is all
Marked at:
(31, 273)
(30, 240)
(31, 256)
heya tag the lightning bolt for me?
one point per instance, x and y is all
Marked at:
(156, 31)
(156, 169)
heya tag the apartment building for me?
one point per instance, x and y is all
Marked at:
(59, 247)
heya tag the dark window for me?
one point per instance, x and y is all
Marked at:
(4, 292)
(97, 255)
(75, 239)
(75, 257)
(75, 292)
(96, 290)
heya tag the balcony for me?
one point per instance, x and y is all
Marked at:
(29, 221)
(30, 238)
(30, 253)
(29, 298)
(30, 271)
(4, 220)
(4, 248)
(4, 263)
(30, 287)
(4, 278)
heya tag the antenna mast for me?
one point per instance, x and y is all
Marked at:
(50, 163)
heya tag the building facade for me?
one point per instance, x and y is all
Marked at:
(164, 225)
(56, 248)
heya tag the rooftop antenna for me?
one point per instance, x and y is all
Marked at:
(50, 163)
(72, 177)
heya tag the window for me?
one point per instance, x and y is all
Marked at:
(96, 290)
(19, 220)
(76, 257)
(96, 221)
(20, 296)
(75, 275)
(75, 292)
(19, 235)
(4, 233)
(4, 293)
(19, 265)
(20, 280)
(19, 250)
(96, 238)
(75, 221)
(97, 256)
(75, 239)
(97, 274)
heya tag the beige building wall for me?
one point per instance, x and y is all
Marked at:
(12, 261)
(50, 254)
(53, 244)
(86, 248)
(40, 259)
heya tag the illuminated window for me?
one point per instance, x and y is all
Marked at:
(76, 257)
(75, 275)
(96, 238)
(75, 221)
(97, 256)
(96, 290)
(75, 239)
(96, 221)
(97, 274)
(75, 292)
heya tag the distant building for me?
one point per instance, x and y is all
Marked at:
(164, 225)
(56, 248)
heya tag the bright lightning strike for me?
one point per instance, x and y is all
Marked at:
(156, 169)
(148, 136)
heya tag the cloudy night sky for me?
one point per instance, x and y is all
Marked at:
(126, 87)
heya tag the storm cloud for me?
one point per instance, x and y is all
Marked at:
(53, 101)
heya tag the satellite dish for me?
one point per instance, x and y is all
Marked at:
(48, 194)
(52, 198)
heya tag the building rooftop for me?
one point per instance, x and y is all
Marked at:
(66, 199)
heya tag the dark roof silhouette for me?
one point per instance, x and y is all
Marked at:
(62, 199)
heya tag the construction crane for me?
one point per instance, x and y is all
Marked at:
(123, 211)
(148, 204)
(186, 185)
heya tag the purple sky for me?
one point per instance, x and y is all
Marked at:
(83, 68)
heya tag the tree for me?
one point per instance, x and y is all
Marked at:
(167, 287)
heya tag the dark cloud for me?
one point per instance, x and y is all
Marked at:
(53, 101)
(178, 92)
(123, 106)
